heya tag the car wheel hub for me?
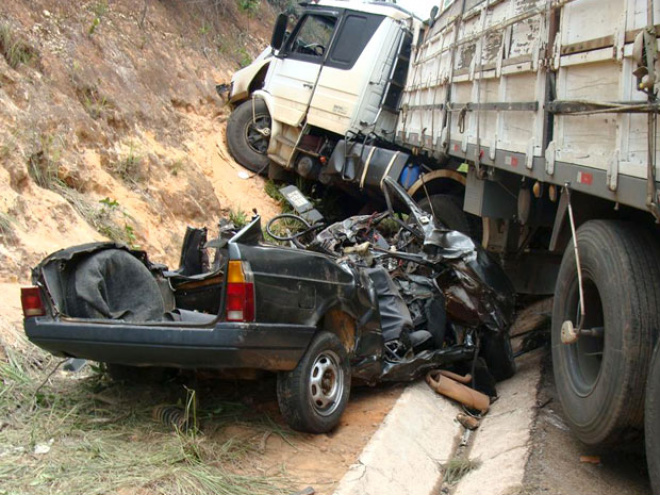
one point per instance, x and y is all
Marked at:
(326, 384)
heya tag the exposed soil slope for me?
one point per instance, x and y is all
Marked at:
(110, 125)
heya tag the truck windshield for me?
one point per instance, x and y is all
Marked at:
(314, 35)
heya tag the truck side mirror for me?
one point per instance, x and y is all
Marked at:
(279, 32)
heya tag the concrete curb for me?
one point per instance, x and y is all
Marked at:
(420, 433)
(404, 455)
(503, 441)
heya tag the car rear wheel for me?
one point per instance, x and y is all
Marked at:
(601, 377)
(248, 134)
(313, 396)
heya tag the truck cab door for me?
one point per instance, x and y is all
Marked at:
(295, 72)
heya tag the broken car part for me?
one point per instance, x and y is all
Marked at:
(457, 391)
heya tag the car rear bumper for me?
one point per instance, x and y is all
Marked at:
(226, 345)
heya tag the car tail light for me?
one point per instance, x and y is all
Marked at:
(240, 292)
(31, 302)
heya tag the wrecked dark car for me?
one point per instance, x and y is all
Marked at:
(383, 297)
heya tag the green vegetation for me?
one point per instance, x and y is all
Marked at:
(43, 163)
(99, 9)
(249, 6)
(175, 166)
(15, 50)
(7, 234)
(95, 105)
(91, 435)
(244, 58)
(457, 468)
(238, 217)
(130, 168)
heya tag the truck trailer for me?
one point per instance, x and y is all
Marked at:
(529, 124)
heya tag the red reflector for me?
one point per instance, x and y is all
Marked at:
(31, 302)
(240, 302)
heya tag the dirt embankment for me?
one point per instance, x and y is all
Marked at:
(110, 126)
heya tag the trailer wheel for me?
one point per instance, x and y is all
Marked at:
(314, 395)
(652, 421)
(600, 378)
(248, 135)
(448, 210)
(498, 354)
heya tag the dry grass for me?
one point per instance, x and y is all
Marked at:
(101, 438)
(7, 232)
(457, 468)
(15, 51)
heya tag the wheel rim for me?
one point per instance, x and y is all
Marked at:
(585, 357)
(326, 383)
(257, 134)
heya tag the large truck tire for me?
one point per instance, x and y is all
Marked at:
(601, 379)
(313, 396)
(652, 422)
(248, 135)
(448, 210)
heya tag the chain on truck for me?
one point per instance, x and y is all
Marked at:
(530, 124)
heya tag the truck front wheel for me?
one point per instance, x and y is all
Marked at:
(248, 134)
(601, 377)
(314, 395)
(652, 422)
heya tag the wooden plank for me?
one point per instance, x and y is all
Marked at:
(585, 46)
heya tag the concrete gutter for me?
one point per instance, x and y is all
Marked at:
(405, 454)
(420, 434)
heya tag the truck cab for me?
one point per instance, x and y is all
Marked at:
(341, 70)
(335, 79)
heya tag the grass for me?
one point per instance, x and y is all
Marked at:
(15, 50)
(130, 168)
(96, 106)
(8, 145)
(238, 217)
(100, 8)
(176, 166)
(244, 58)
(456, 469)
(7, 233)
(107, 217)
(273, 190)
(43, 163)
(103, 438)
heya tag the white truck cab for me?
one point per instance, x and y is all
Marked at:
(340, 72)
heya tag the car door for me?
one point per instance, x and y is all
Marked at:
(297, 67)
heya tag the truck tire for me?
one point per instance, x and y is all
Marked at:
(601, 379)
(248, 137)
(652, 422)
(448, 210)
(314, 395)
(498, 354)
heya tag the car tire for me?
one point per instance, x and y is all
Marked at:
(448, 210)
(601, 379)
(313, 396)
(498, 354)
(652, 422)
(248, 135)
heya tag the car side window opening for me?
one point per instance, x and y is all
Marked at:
(313, 37)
